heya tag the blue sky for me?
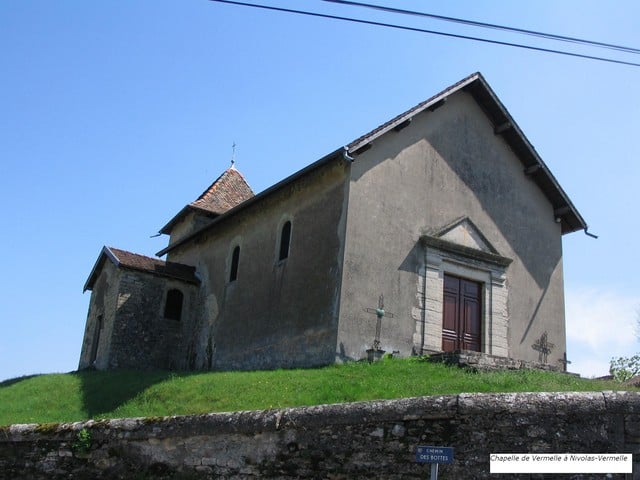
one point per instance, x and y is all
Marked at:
(115, 115)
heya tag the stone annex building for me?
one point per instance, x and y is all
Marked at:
(446, 210)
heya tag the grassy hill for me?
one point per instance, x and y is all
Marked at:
(83, 395)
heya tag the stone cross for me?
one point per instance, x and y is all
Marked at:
(544, 347)
(380, 312)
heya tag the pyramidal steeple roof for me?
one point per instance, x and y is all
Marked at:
(227, 191)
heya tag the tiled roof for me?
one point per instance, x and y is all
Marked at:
(156, 266)
(476, 85)
(134, 261)
(229, 189)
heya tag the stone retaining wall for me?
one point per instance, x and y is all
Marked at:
(373, 440)
(485, 362)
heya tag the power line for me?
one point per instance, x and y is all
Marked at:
(422, 30)
(549, 36)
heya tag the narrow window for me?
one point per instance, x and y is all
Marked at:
(235, 259)
(173, 305)
(285, 240)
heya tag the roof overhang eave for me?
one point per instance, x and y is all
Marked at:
(338, 153)
(504, 125)
(105, 253)
(166, 230)
(429, 104)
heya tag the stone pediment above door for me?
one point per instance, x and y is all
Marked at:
(464, 232)
(463, 237)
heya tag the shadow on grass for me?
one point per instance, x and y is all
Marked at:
(104, 392)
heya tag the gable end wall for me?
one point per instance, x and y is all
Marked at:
(134, 332)
(104, 298)
(445, 165)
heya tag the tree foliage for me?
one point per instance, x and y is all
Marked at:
(625, 368)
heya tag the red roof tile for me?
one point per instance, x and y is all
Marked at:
(229, 190)
(134, 261)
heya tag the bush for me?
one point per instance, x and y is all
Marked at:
(625, 368)
(82, 445)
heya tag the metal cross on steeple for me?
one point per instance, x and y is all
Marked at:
(233, 154)
(380, 312)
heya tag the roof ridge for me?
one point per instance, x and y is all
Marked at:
(227, 180)
(355, 144)
(487, 100)
(114, 250)
(143, 263)
(226, 192)
(213, 184)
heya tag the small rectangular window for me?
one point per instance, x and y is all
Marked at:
(173, 305)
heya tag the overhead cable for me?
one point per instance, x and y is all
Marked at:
(422, 30)
(549, 36)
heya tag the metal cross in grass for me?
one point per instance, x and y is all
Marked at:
(544, 347)
(564, 361)
(380, 312)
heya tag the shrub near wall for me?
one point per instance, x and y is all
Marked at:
(373, 440)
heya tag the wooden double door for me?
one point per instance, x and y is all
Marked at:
(461, 318)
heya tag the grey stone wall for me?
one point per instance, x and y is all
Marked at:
(134, 332)
(103, 303)
(478, 361)
(277, 313)
(142, 337)
(190, 223)
(373, 440)
(446, 165)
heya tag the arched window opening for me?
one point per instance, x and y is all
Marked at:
(235, 259)
(285, 241)
(173, 305)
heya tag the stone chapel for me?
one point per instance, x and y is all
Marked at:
(438, 231)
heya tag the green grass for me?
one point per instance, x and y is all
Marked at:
(84, 395)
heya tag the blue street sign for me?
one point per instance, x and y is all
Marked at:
(434, 454)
